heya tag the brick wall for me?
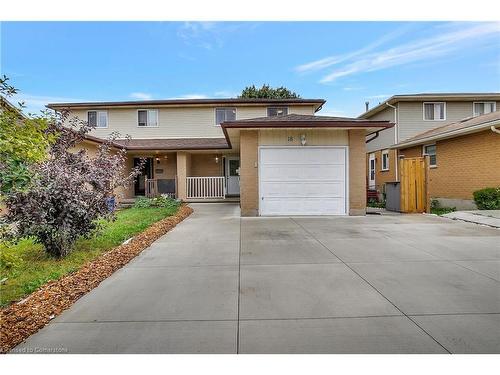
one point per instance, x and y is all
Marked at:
(249, 185)
(357, 172)
(464, 164)
(381, 177)
(204, 165)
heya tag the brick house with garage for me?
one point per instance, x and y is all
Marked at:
(276, 156)
(413, 114)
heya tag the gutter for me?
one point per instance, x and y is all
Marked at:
(494, 130)
(396, 135)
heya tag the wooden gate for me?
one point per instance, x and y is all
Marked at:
(414, 174)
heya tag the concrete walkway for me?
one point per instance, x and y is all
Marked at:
(221, 284)
(490, 218)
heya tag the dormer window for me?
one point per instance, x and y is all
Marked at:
(277, 111)
(97, 119)
(224, 114)
(147, 117)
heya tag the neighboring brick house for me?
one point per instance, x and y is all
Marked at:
(274, 155)
(464, 157)
(414, 114)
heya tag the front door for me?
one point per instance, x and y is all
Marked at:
(140, 181)
(233, 175)
(371, 171)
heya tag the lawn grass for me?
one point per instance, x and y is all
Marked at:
(31, 267)
(442, 210)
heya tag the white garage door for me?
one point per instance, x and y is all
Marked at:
(302, 181)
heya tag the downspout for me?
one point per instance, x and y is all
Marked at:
(494, 129)
(396, 115)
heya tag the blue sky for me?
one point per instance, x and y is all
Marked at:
(346, 63)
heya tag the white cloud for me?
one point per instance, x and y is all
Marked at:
(141, 96)
(334, 60)
(191, 96)
(445, 41)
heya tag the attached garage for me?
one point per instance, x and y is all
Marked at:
(297, 165)
(302, 180)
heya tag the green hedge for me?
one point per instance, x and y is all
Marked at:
(487, 198)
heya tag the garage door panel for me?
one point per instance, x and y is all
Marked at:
(302, 181)
(274, 172)
(334, 189)
(304, 206)
(304, 156)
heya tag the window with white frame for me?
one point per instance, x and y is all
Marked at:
(224, 114)
(481, 108)
(97, 119)
(435, 111)
(431, 151)
(277, 111)
(147, 117)
(385, 160)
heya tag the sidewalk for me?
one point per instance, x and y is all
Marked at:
(483, 217)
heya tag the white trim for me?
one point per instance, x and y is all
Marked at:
(215, 114)
(372, 183)
(444, 111)
(385, 152)
(97, 118)
(147, 117)
(424, 153)
(346, 172)
(277, 106)
(483, 102)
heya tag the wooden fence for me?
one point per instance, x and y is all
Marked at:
(414, 176)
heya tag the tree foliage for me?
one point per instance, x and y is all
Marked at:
(23, 141)
(268, 92)
(69, 190)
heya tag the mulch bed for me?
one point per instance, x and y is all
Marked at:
(22, 319)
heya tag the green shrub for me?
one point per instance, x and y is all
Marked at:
(162, 201)
(487, 198)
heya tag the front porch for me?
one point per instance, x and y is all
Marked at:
(196, 176)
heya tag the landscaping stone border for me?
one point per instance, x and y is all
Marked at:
(21, 319)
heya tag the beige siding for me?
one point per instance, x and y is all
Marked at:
(411, 120)
(314, 137)
(385, 137)
(187, 122)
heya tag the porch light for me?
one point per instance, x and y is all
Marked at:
(303, 140)
(216, 159)
(157, 160)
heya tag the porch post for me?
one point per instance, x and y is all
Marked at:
(183, 171)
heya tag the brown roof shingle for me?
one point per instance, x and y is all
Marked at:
(174, 144)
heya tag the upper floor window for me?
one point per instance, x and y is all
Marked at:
(385, 160)
(97, 119)
(147, 117)
(481, 108)
(277, 111)
(224, 114)
(435, 111)
(431, 151)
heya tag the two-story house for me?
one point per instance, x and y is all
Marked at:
(414, 114)
(277, 156)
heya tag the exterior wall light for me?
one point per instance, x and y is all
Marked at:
(303, 140)
(217, 159)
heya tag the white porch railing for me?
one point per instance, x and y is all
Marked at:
(206, 187)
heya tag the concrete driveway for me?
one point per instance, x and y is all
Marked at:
(219, 283)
